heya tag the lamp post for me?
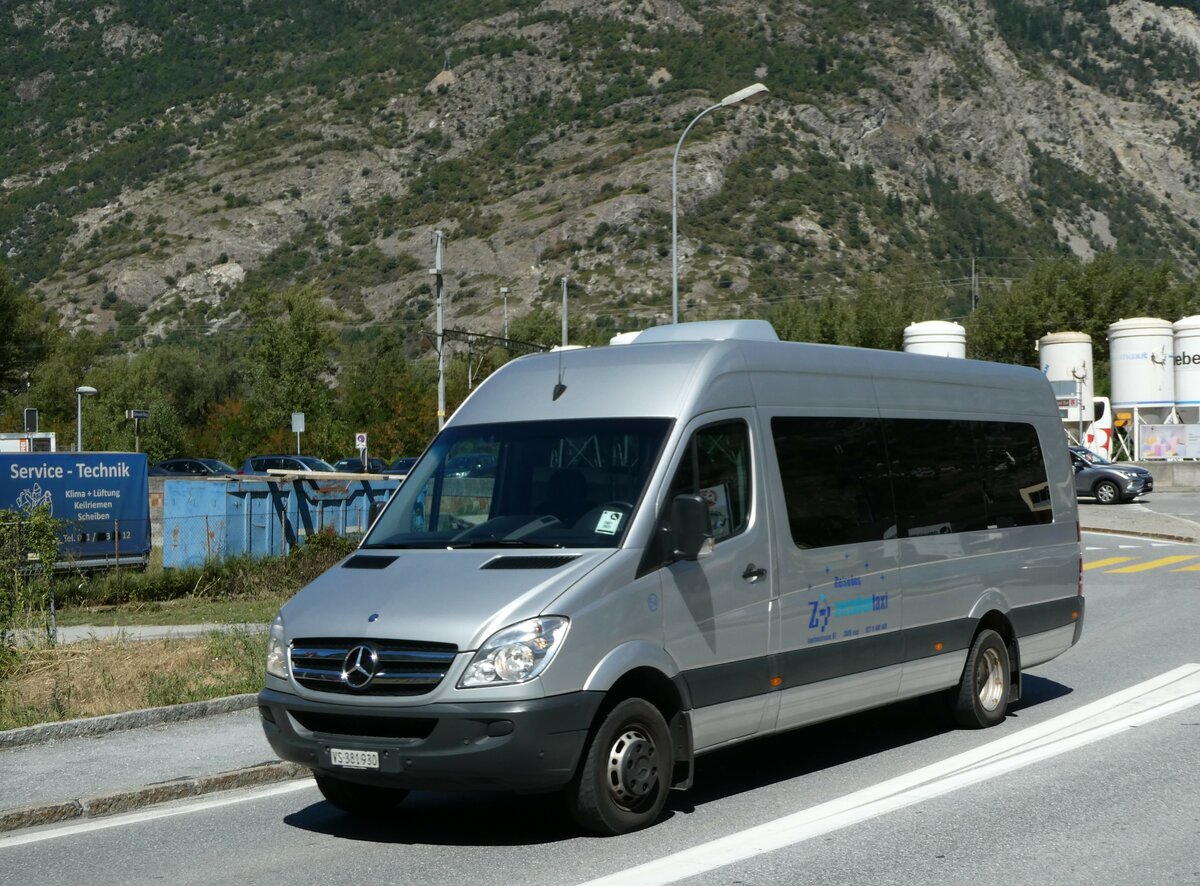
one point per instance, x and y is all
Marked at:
(81, 392)
(748, 96)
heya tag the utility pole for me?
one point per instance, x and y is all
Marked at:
(974, 286)
(564, 312)
(441, 351)
(504, 295)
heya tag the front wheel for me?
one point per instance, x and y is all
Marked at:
(358, 799)
(623, 782)
(982, 696)
(1107, 492)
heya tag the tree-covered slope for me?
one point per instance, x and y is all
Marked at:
(160, 161)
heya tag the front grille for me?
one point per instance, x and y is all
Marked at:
(406, 667)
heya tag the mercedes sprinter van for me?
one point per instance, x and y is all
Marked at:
(695, 539)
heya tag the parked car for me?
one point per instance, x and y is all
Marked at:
(190, 467)
(260, 464)
(475, 464)
(401, 465)
(354, 465)
(1109, 483)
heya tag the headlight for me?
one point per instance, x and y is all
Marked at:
(1129, 475)
(516, 654)
(277, 653)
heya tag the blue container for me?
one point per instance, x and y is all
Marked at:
(205, 520)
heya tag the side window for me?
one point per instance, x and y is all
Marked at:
(1014, 475)
(938, 481)
(835, 480)
(717, 466)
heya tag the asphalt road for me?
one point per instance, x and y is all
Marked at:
(1077, 786)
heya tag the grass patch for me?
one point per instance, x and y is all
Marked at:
(42, 684)
(187, 611)
(45, 684)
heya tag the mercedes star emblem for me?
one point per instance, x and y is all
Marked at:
(359, 666)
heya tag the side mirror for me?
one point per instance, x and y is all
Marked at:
(691, 530)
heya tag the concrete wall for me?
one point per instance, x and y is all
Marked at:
(1174, 476)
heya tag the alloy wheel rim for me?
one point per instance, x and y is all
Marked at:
(989, 680)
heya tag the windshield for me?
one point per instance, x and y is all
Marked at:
(217, 466)
(524, 484)
(1091, 457)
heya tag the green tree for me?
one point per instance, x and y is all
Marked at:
(1072, 296)
(392, 398)
(70, 360)
(873, 315)
(23, 336)
(125, 383)
(290, 367)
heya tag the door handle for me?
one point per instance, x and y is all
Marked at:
(754, 573)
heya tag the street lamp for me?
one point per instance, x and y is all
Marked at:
(81, 392)
(750, 95)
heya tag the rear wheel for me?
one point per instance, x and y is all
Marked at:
(623, 782)
(1107, 492)
(982, 696)
(358, 799)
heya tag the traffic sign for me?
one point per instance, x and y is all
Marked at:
(360, 440)
(137, 413)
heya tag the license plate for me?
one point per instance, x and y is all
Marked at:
(354, 759)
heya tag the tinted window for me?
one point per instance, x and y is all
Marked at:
(717, 466)
(1014, 475)
(849, 480)
(938, 484)
(835, 480)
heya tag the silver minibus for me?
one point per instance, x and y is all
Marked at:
(665, 547)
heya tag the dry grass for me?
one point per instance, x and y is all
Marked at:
(44, 684)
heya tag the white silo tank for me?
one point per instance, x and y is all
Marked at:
(1141, 351)
(939, 338)
(1187, 368)
(1066, 360)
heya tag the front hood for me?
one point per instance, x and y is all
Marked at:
(438, 596)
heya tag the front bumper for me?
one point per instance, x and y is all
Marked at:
(1135, 486)
(526, 746)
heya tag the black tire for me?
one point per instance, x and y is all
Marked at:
(1107, 492)
(359, 799)
(982, 696)
(625, 776)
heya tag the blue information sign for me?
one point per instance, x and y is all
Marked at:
(101, 498)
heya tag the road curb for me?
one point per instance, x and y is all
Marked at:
(1138, 533)
(1157, 536)
(43, 732)
(127, 800)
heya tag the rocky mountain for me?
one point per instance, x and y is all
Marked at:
(158, 158)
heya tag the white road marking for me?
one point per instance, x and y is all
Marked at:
(1162, 696)
(183, 808)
